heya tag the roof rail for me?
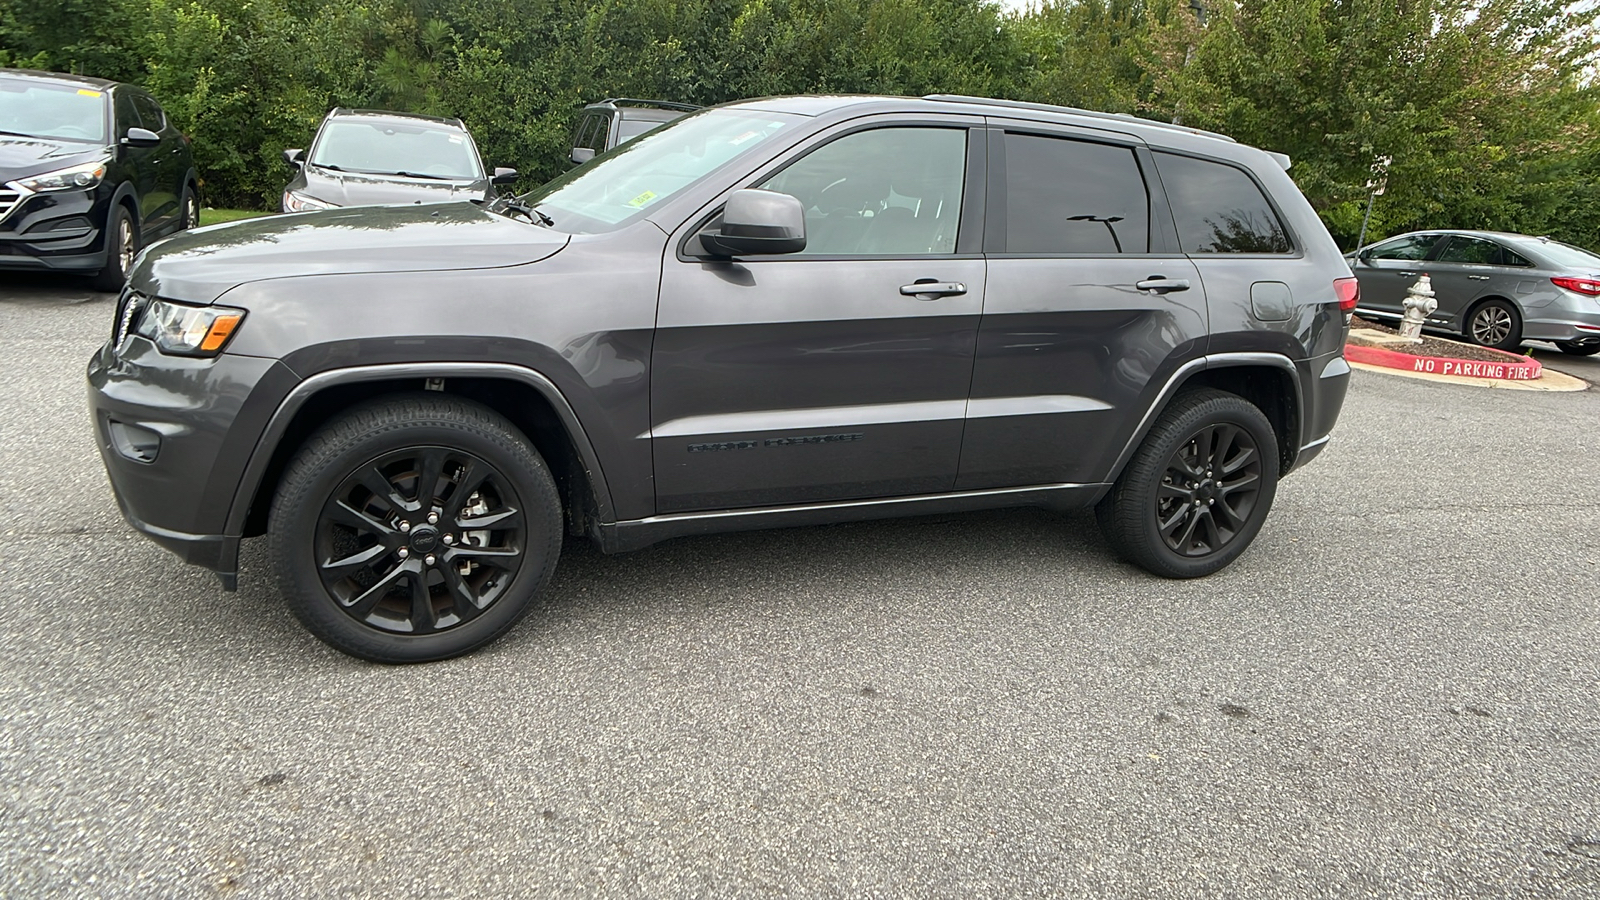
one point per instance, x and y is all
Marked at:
(665, 104)
(1046, 107)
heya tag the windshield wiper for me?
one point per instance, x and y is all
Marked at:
(420, 175)
(510, 203)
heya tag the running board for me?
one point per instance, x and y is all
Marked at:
(635, 534)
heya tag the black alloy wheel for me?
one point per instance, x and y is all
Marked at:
(420, 540)
(1198, 488)
(414, 528)
(1495, 323)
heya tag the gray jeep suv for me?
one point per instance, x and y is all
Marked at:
(777, 312)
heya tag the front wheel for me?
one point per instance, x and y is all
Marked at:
(414, 528)
(122, 245)
(1197, 490)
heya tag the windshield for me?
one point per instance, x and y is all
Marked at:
(387, 147)
(1565, 256)
(626, 182)
(40, 109)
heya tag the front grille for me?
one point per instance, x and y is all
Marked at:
(129, 305)
(9, 200)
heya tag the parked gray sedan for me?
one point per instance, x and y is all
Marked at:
(1494, 288)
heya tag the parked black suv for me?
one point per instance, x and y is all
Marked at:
(617, 120)
(90, 171)
(777, 312)
(362, 157)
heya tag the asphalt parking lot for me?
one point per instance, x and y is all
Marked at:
(1394, 693)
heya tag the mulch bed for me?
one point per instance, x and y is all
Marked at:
(1430, 346)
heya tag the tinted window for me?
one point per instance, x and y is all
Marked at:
(39, 109)
(1471, 250)
(127, 116)
(1410, 247)
(149, 112)
(593, 133)
(1219, 209)
(628, 129)
(886, 192)
(1066, 196)
(1507, 258)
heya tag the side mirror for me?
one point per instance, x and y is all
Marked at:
(581, 155)
(140, 137)
(294, 157)
(502, 175)
(758, 222)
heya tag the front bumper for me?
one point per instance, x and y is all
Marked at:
(175, 435)
(55, 231)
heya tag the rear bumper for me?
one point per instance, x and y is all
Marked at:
(1324, 383)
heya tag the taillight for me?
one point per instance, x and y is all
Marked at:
(1588, 286)
(1348, 290)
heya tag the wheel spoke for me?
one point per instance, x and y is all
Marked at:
(1223, 440)
(1243, 482)
(422, 618)
(381, 487)
(430, 467)
(472, 475)
(339, 568)
(1182, 544)
(499, 557)
(466, 605)
(1227, 518)
(1174, 520)
(345, 514)
(362, 605)
(1245, 455)
(1169, 491)
(499, 518)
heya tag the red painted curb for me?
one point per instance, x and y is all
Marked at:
(1515, 368)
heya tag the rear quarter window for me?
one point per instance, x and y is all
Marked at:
(1218, 208)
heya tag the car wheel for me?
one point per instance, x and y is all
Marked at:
(1573, 348)
(190, 217)
(1198, 488)
(1495, 323)
(122, 245)
(414, 528)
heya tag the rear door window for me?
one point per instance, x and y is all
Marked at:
(1071, 196)
(1218, 208)
(1473, 251)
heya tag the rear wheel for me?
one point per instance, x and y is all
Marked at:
(1573, 348)
(1197, 490)
(122, 245)
(414, 529)
(1495, 323)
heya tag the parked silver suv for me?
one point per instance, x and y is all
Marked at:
(1497, 289)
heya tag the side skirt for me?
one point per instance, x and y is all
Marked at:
(635, 534)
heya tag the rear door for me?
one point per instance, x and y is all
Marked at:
(1088, 308)
(1463, 270)
(826, 375)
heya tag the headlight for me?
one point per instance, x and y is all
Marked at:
(77, 178)
(188, 330)
(294, 201)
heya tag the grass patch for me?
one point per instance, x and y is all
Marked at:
(210, 216)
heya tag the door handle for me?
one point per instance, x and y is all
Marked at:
(1408, 274)
(1160, 284)
(1479, 277)
(928, 289)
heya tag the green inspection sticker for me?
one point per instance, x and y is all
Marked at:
(642, 199)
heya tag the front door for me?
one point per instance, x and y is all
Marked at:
(826, 374)
(1388, 269)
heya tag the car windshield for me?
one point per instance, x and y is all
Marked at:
(1564, 256)
(388, 147)
(631, 179)
(58, 111)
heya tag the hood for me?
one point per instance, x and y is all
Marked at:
(23, 157)
(199, 266)
(353, 189)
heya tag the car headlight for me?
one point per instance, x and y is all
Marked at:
(76, 178)
(294, 201)
(188, 330)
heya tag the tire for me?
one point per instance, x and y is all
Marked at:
(1494, 323)
(430, 588)
(1211, 511)
(1573, 348)
(189, 209)
(122, 245)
